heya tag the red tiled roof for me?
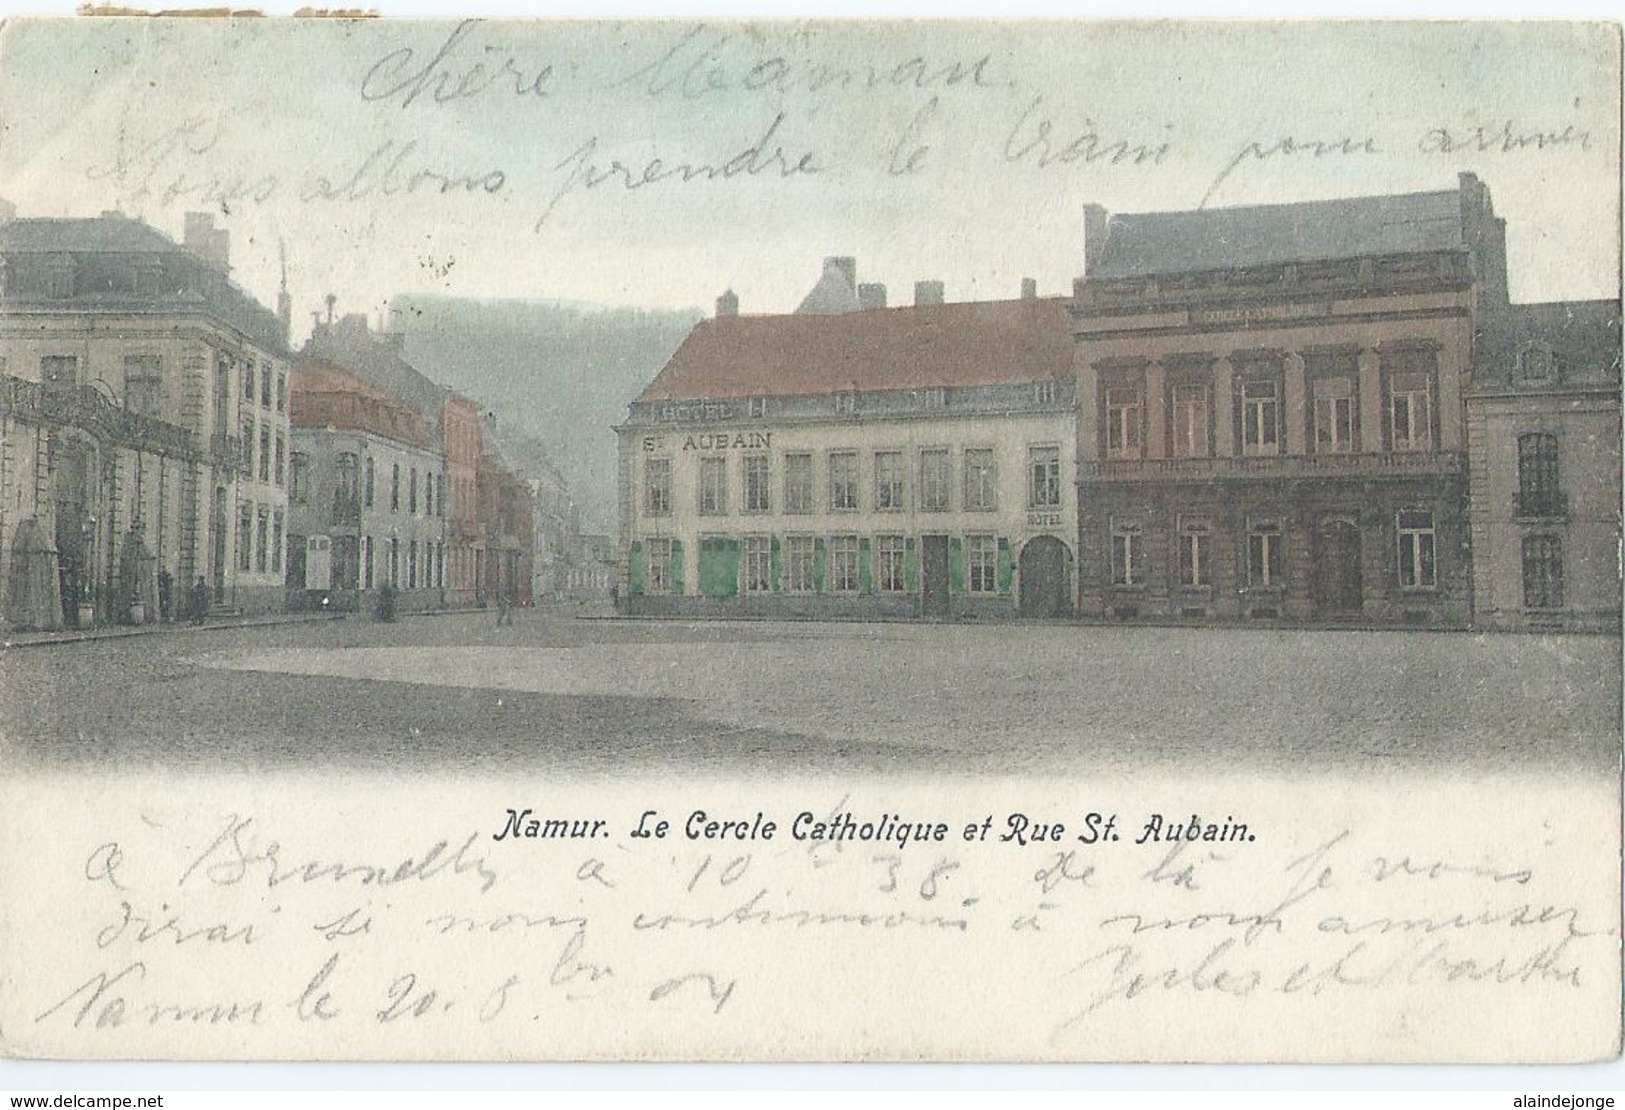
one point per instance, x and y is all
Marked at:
(324, 395)
(962, 344)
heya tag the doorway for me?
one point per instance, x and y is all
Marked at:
(934, 600)
(1043, 578)
(1337, 568)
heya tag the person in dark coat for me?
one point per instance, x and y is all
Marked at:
(199, 600)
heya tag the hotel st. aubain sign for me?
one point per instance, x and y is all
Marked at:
(711, 441)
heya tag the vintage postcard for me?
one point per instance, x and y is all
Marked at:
(704, 540)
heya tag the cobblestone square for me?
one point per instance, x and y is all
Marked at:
(611, 698)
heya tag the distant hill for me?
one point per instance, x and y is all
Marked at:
(556, 374)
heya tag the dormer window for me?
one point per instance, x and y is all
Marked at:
(1537, 363)
(757, 406)
(59, 279)
(1044, 392)
(846, 402)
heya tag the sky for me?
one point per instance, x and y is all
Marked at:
(656, 164)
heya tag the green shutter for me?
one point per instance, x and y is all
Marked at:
(719, 567)
(1007, 567)
(634, 570)
(866, 574)
(775, 567)
(677, 567)
(818, 564)
(911, 566)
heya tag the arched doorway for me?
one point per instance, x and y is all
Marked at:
(1044, 578)
(1337, 567)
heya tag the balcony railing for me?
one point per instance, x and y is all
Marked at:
(1272, 466)
(84, 407)
(1540, 505)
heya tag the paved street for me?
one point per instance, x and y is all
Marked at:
(553, 693)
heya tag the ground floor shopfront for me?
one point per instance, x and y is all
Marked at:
(1316, 551)
(929, 575)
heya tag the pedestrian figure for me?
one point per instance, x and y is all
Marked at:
(166, 597)
(504, 608)
(199, 600)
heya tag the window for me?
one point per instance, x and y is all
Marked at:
(1260, 418)
(282, 392)
(1334, 416)
(1542, 572)
(843, 481)
(412, 564)
(1195, 554)
(658, 578)
(758, 484)
(798, 484)
(1416, 547)
(143, 385)
(657, 487)
(366, 561)
(276, 541)
(265, 452)
(1537, 475)
(59, 371)
(265, 386)
(758, 565)
(892, 555)
(846, 403)
(281, 458)
(1128, 555)
(981, 564)
(298, 478)
(1190, 421)
(261, 542)
(1043, 477)
(936, 475)
(367, 495)
(440, 495)
(1410, 413)
(344, 487)
(428, 494)
(412, 491)
(245, 538)
(59, 280)
(798, 564)
(246, 446)
(395, 487)
(756, 406)
(981, 480)
(1264, 554)
(713, 486)
(394, 567)
(1044, 393)
(843, 564)
(248, 383)
(1123, 422)
(889, 487)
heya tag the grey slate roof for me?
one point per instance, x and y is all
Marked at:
(1584, 335)
(107, 234)
(1153, 243)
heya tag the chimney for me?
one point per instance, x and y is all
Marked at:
(331, 301)
(728, 304)
(848, 267)
(871, 294)
(1094, 236)
(206, 242)
(928, 292)
(1029, 289)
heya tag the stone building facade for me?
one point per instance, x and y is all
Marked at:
(367, 496)
(1543, 431)
(855, 460)
(1272, 409)
(143, 421)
